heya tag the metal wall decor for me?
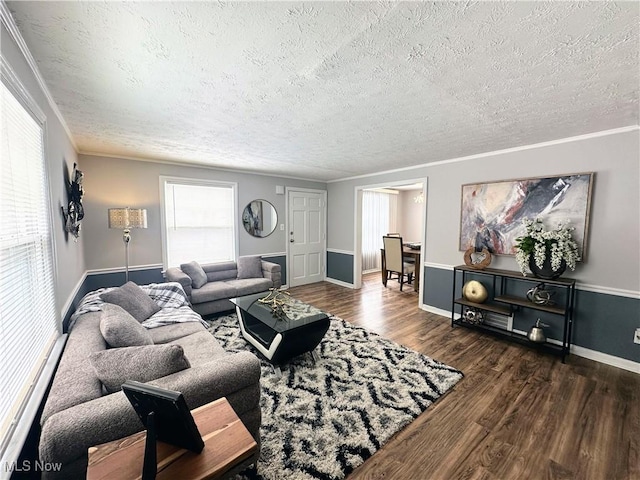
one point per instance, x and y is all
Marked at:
(75, 211)
(539, 295)
(491, 213)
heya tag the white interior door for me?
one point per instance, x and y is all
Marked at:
(307, 237)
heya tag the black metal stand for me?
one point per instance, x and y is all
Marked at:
(150, 465)
(503, 304)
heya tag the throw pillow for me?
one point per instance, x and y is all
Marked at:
(250, 267)
(133, 299)
(119, 329)
(196, 273)
(115, 366)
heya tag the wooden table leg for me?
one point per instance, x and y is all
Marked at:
(384, 268)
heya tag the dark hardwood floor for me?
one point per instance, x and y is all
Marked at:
(517, 413)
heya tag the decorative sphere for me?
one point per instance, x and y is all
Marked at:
(474, 291)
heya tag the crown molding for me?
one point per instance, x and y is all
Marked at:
(577, 138)
(194, 164)
(10, 24)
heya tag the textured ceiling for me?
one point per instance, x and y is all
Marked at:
(327, 90)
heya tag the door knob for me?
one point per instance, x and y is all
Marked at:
(291, 241)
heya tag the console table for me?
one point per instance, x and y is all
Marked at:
(227, 443)
(503, 303)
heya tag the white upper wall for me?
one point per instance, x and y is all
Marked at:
(614, 226)
(409, 216)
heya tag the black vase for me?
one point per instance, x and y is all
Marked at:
(546, 272)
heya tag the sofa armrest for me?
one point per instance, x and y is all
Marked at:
(67, 435)
(273, 272)
(174, 274)
(220, 377)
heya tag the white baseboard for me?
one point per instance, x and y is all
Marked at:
(607, 359)
(339, 282)
(583, 352)
(437, 311)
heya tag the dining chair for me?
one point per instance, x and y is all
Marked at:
(405, 259)
(394, 261)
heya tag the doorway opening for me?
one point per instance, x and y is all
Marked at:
(392, 207)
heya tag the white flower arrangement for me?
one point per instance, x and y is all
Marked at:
(537, 241)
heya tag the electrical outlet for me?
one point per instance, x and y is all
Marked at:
(636, 337)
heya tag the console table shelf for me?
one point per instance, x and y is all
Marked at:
(523, 302)
(499, 309)
(507, 305)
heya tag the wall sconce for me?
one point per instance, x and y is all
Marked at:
(125, 219)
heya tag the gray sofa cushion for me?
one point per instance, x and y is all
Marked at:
(249, 286)
(195, 272)
(115, 366)
(75, 381)
(133, 299)
(213, 291)
(221, 271)
(119, 329)
(168, 333)
(200, 348)
(250, 267)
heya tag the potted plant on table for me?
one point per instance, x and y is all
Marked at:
(546, 253)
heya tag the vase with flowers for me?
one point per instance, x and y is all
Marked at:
(546, 253)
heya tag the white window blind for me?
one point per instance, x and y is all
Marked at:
(28, 318)
(199, 220)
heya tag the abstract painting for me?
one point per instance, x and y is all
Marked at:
(492, 213)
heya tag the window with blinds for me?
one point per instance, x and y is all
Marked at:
(28, 318)
(199, 221)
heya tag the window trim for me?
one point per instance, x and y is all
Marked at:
(26, 415)
(163, 179)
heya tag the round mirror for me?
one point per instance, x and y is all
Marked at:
(259, 218)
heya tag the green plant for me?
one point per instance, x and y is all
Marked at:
(537, 241)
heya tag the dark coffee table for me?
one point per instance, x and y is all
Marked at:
(280, 336)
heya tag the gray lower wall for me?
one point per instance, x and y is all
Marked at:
(340, 267)
(280, 260)
(603, 323)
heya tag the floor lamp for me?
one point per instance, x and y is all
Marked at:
(125, 219)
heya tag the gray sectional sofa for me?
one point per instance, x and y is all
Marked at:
(222, 281)
(79, 413)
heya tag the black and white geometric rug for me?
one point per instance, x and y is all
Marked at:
(322, 419)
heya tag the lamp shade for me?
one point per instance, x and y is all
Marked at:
(126, 218)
